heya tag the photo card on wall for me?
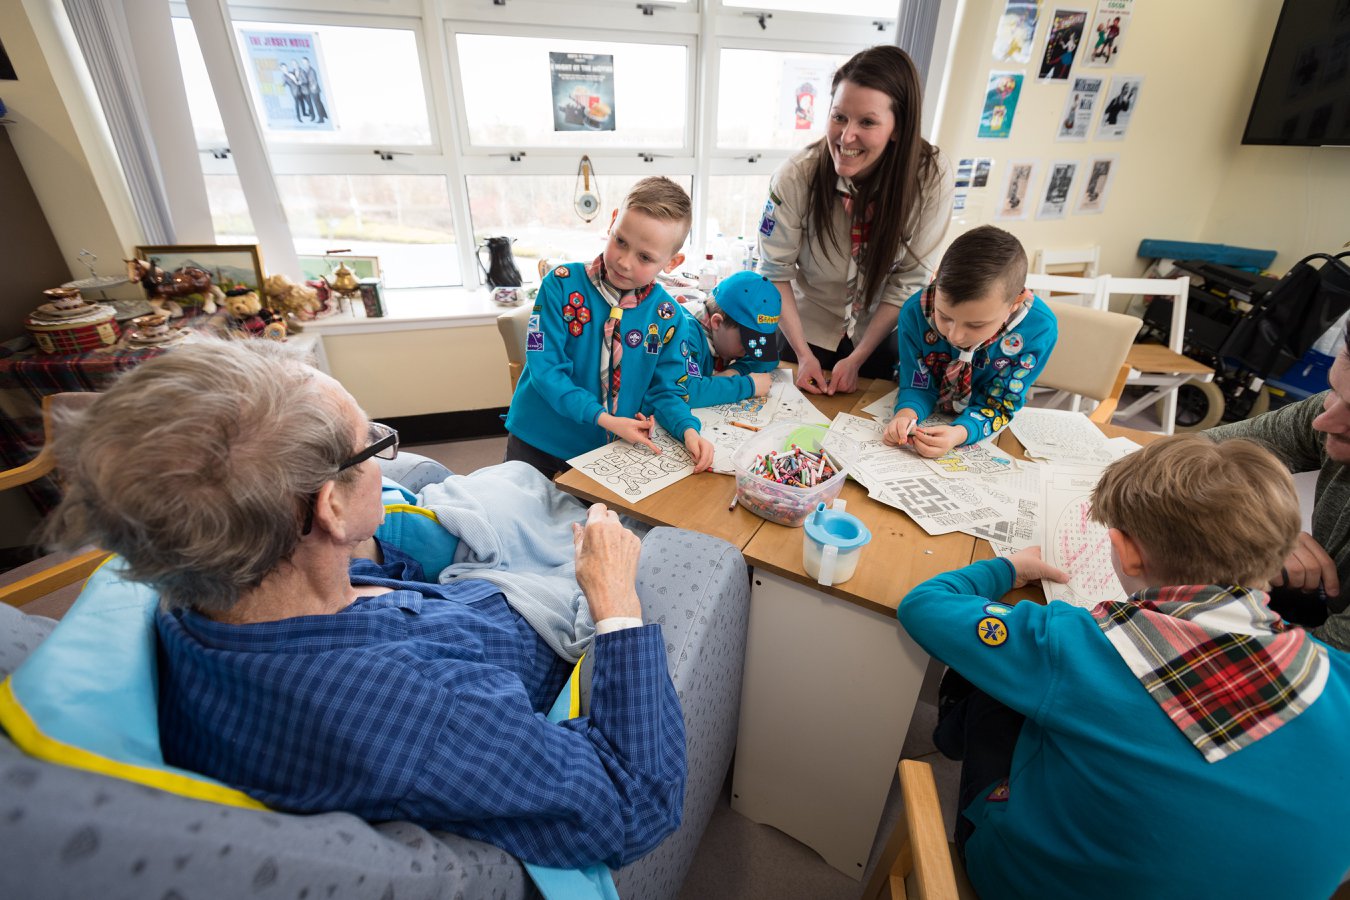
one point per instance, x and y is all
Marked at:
(1058, 185)
(1016, 198)
(1099, 175)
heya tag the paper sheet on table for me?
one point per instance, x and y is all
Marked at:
(783, 402)
(1075, 543)
(631, 470)
(1061, 435)
(983, 458)
(791, 403)
(1018, 495)
(884, 408)
(726, 440)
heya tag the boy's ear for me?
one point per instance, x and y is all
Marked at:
(613, 217)
(674, 261)
(1128, 551)
(716, 320)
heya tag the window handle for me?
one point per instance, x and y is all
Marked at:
(761, 17)
(387, 155)
(649, 157)
(514, 155)
(219, 152)
(751, 158)
(649, 9)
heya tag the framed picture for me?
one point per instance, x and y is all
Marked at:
(228, 265)
(313, 268)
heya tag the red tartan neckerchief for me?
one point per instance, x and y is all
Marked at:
(859, 233)
(954, 387)
(1224, 668)
(611, 347)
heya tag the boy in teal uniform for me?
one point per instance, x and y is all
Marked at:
(598, 347)
(971, 343)
(730, 346)
(1183, 742)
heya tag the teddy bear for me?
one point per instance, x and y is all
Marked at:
(241, 303)
(296, 302)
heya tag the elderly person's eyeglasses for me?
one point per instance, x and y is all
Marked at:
(383, 444)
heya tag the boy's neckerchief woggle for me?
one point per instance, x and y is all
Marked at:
(611, 347)
(954, 388)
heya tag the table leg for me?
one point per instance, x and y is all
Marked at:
(828, 692)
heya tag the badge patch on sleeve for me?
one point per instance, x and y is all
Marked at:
(991, 631)
(997, 609)
(1011, 343)
(919, 380)
(999, 794)
(534, 324)
(534, 340)
(692, 368)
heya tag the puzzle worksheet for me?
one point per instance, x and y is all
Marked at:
(1062, 436)
(631, 470)
(1075, 543)
(983, 458)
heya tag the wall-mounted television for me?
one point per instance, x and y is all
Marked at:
(1303, 98)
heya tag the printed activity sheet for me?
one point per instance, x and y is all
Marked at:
(783, 402)
(726, 440)
(632, 470)
(1061, 435)
(1022, 527)
(884, 408)
(1075, 543)
(983, 458)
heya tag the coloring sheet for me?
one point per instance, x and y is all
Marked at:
(792, 403)
(726, 440)
(1061, 435)
(983, 458)
(632, 471)
(1075, 543)
(783, 402)
(882, 409)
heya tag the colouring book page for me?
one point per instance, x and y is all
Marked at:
(884, 408)
(1061, 435)
(983, 458)
(857, 443)
(631, 470)
(726, 440)
(793, 404)
(1075, 543)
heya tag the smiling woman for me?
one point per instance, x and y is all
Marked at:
(852, 223)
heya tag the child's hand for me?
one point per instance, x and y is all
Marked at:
(699, 448)
(937, 440)
(763, 382)
(1030, 567)
(900, 428)
(634, 431)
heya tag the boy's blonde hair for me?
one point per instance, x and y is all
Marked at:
(663, 200)
(1202, 512)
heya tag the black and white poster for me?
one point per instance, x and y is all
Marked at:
(1058, 184)
(1119, 106)
(1076, 118)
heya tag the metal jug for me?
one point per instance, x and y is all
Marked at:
(501, 269)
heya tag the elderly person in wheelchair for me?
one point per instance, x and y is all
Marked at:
(307, 663)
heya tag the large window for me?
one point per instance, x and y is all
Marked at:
(392, 135)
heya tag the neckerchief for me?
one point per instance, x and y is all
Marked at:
(1224, 668)
(859, 232)
(954, 387)
(611, 347)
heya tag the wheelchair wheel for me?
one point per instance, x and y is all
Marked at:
(1199, 406)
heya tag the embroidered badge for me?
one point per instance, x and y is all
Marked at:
(997, 609)
(653, 339)
(930, 337)
(684, 348)
(1028, 361)
(767, 225)
(569, 312)
(670, 333)
(1011, 343)
(1021, 373)
(534, 340)
(995, 390)
(991, 631)
(537, 309)
(534, 324)
(987, 412)
(562, 271)
(633, 338)
(1002, 363)
(920, 380)
(1016, 385)
(576, 328)
(987, 429)
(576, 299)
(682, 379)
(665, 309)
(583, 314)
(999, 794)
(691, 368)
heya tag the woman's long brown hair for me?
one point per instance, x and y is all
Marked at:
(895, 186)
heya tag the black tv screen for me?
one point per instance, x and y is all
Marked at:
(1303, 98)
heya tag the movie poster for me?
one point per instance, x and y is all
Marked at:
(1016, 31)
(1058, 184)
(1062, 44)
(292, 83)
(583, 91)
(1000, 104)
(1107, 31)
(1076, 118)
(1015, 199)
(805, 94)
(1121, 101)
(1100, 172)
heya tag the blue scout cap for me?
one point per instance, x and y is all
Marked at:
(752, 302)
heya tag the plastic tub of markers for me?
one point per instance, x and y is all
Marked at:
(785, 504)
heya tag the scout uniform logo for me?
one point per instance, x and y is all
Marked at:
(665, 309)
(633, 338)
(562, 271)
(534, 340)
(920, 380)
(534, 324)
(1002, 363)
(692, 369)
(991, 631)
(930, 337)
(756, 346)
(768, 223)
(1011, 343)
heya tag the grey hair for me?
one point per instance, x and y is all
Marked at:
(199, 468)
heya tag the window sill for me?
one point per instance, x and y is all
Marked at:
(412, 309)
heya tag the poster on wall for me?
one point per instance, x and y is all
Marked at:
(1016, 31)
(583, 91)
(1100, 172)
(1058, 184)
(1015, 199)
(1119, 108)
(1000, 104)
(805, 100)
(1062, 43)
(1076, 119)
(1108, 30)
(291, 80)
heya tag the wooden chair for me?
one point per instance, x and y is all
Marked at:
(1163, 369)
(1089, 356)
(514, 325)
(60, 570)
(917, 860)
(1077, 263)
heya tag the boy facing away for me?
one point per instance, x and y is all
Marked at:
(971, 343)
(598, 348)
(730, 346)
(1183, 742)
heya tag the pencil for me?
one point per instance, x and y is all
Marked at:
(745, 426)
(732, 504)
